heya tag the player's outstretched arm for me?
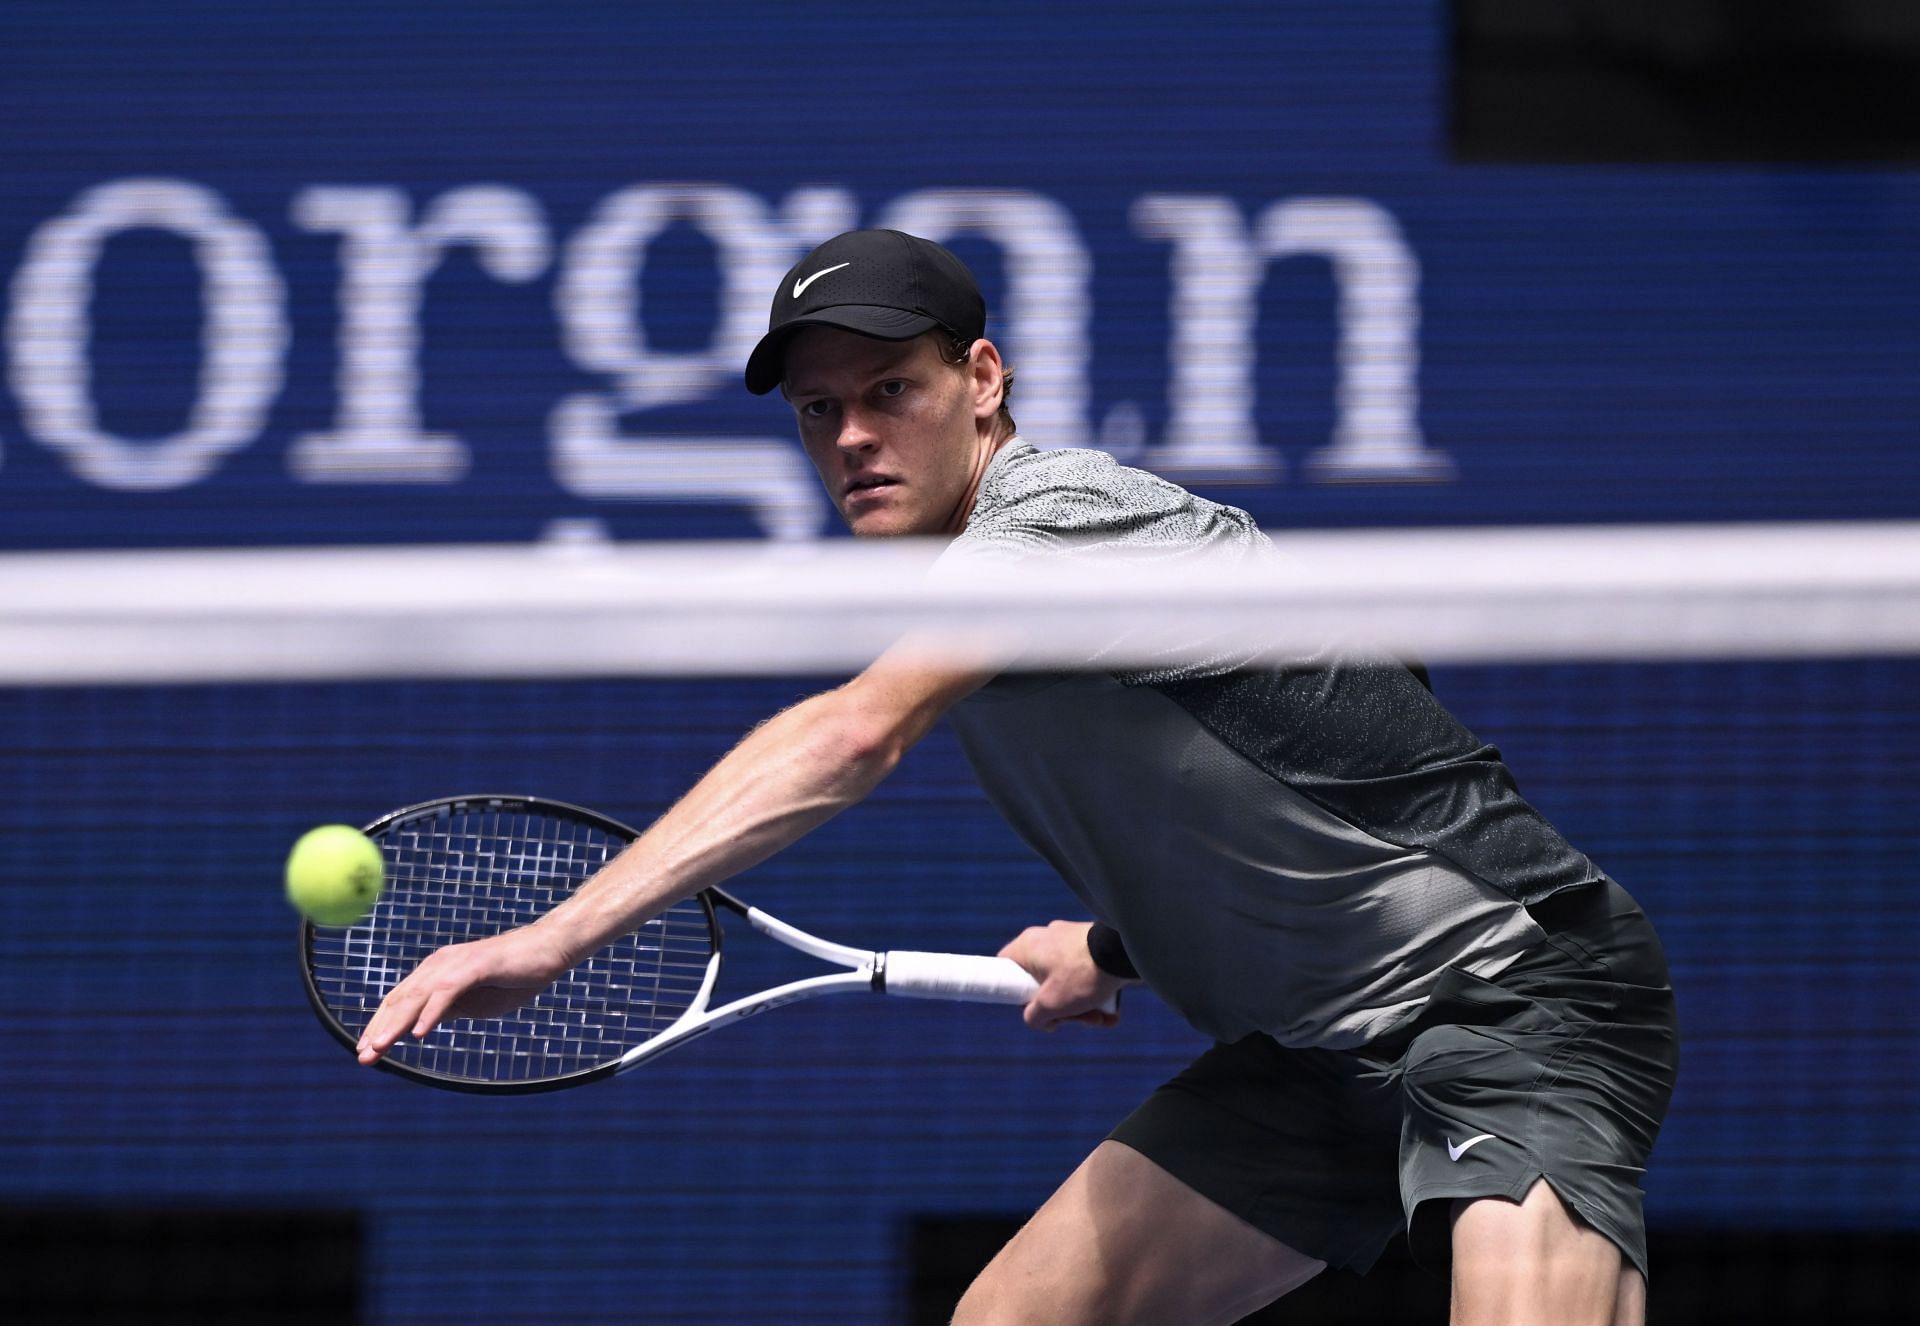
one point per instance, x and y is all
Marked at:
(788, 776)
(1072, 988)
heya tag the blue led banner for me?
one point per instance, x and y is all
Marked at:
(352, 275)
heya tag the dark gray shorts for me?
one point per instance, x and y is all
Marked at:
(1560, 1068)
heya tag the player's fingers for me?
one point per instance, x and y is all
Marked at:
(1057, 1002)
(435, 1008)
(402, 1005)
(1029, 949)
(1052, 1006)
(395, 1012)
(1039, 1015)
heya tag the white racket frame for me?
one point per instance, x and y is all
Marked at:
(968, 978)
(965, 977)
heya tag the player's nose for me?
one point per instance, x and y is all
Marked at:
(856, 432)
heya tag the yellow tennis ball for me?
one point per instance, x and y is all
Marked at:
(334, 875)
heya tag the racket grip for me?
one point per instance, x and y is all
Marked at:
(963, 976)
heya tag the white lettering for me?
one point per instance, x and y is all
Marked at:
(243, 336)
(388, 255)
(1212, 306)
(1217, 268)
(1377, 435)
(376, 435)
(598, 300)
(1046, 307)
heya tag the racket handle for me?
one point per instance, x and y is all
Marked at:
(962, 976)
(978, 980)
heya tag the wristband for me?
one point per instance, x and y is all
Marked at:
(1108, 953)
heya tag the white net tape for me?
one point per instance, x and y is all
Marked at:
(1702, 591)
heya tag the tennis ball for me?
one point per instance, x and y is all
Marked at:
(334, 875)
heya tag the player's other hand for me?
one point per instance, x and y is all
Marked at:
(483, 979)
(1071, 989)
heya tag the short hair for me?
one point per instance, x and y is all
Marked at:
(955, 349)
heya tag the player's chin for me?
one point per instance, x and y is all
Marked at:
(873, 521)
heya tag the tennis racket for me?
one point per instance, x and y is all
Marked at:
(469, 867)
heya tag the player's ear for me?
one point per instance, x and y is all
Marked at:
(987, 375)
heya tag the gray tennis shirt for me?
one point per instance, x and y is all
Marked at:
(1298, 851)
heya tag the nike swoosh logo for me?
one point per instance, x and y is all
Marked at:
(1455, 1152)
(798, 286)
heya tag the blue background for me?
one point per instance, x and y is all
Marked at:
(1597, 345)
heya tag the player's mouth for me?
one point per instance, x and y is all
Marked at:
(868, 487)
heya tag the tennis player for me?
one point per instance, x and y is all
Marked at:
(1429, 1010)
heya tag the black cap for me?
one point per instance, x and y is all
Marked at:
(880, 283)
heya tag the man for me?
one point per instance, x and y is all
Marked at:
(1428, 1007)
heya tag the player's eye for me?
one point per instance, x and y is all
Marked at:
(893, 387)
(815, 409)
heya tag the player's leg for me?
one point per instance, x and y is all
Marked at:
(1534, 1261)
(1532, 1105)
(1123, 1241)
(1630, 1299)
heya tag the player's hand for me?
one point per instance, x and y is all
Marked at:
(1071, 989)
(483, 979)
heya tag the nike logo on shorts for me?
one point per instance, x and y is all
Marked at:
(1455, 1152)
(800, 285)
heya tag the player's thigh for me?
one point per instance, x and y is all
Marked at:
(1630, 1308)
(1533, 1261)
(1122, 1241)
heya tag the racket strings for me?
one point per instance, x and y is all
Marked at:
(471, 873)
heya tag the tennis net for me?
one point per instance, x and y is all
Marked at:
(717, 609)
